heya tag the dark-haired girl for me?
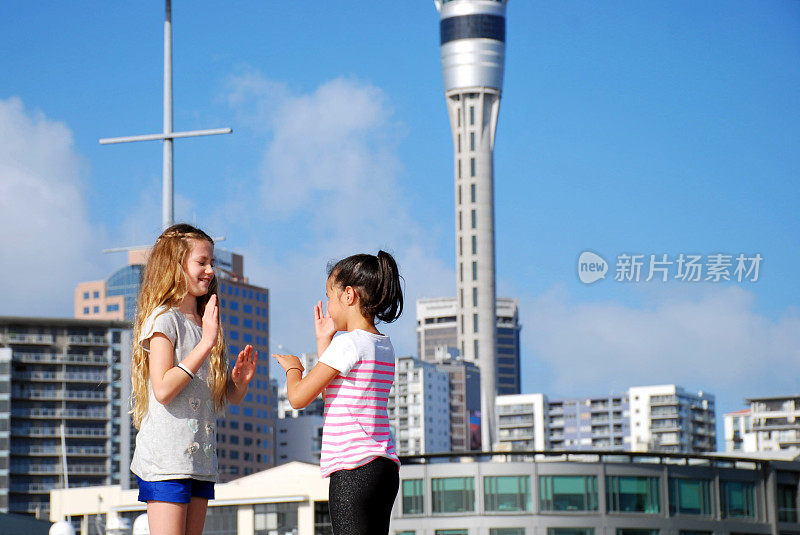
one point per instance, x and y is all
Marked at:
(356, 371)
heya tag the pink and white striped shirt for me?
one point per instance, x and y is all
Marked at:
(355, 428)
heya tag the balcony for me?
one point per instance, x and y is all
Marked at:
(59, 395)
(663, 400)
(57, 469)
(87, 340)
(73, 377)
(29, 338)
(34, 488)
(60, 413)
(71, 432)
(60, 358)
(48, 451)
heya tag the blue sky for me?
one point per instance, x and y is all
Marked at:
(625, 127)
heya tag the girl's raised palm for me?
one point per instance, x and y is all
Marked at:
(323, 323)
(211, 321)
(245, 367)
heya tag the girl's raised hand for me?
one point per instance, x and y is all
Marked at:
(211, 322)
(245, 368)
(288, 361)
(323, 323)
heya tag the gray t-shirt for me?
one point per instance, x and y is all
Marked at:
(177, 440)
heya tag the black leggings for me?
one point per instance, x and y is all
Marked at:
(360, 500)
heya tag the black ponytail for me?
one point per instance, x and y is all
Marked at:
(376, 280)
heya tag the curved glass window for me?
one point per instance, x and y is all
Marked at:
(633, 494)
(690, 496)
(126, 282)
(568, 493)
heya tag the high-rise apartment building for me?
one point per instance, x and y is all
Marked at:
(437, 326)
(647, 418)
(472, 38)
(61, 416)
(246, 433)
(522, 422)
(465, 400)
(601, 422)
(769, 424)
(419, 407)
(670, 419)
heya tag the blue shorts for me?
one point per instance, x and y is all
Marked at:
(174, 490)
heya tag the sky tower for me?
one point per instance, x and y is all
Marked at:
(473, 36)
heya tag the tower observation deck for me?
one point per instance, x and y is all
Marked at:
(473, 34)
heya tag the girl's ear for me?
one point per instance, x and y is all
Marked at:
(349, 295)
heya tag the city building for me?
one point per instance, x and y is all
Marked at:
(769, 424)
(287, 499)
(668, 418)
(298, 438)
(61, 416)
(522, 422)
(472, 39)
(246, 433)
(595, 494)
(437, 326)
(465, 399)
(285, 409)
(115, 297)
(601, 422)
(645, 418)
(419, 407)
(502, 494)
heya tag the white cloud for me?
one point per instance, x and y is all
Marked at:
(716, 341)
(48, 241)
(330, 186)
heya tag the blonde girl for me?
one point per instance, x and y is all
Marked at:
(181, 381)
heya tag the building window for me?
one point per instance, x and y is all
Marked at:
(472, 192)
(459, 143)
(452, 532)
(474, 297)
(322, 519)
(453, 494)
(474, 271)
(474, 219)
(472, 167)
(506, 531)
(461, 271)
(405, 533)
(221, 520)
(459, 195)
(234, 304)
(459, 168)
(690, 496)
(633, 494)
(636, 531)
(96, 295)
(474, 244)
(96, 310)
(413, 497)
(568, 493)
(112, 308)
(787, 503)
(461, 297)
(458, 116)
(472, 115)
(694, 532)
(570, 531)
(507, 493)
(233, 335)
(737, 499)
(459, 220)
(85, 310)
(475, 348)
(271, 518)
(474, 323)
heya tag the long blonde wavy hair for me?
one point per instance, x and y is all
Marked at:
(165, 284)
